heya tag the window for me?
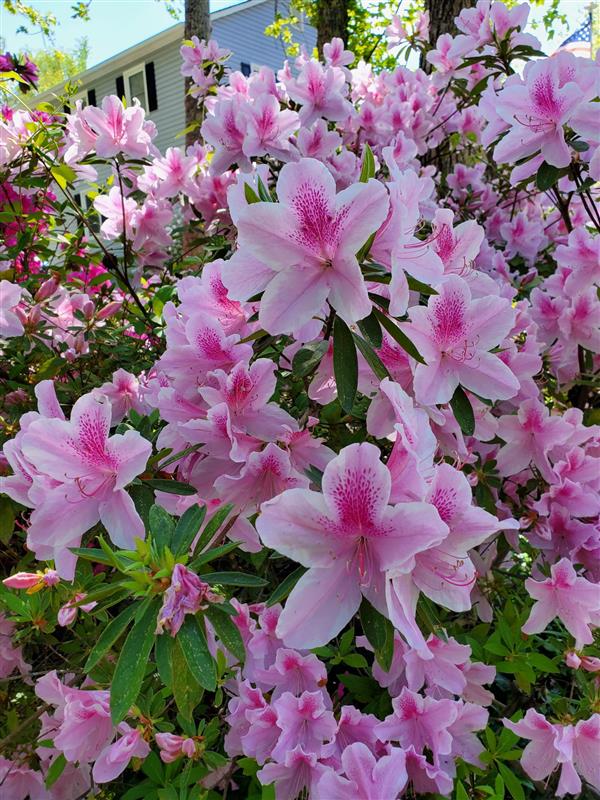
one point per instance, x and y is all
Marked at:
(135, 85)
(245, 68)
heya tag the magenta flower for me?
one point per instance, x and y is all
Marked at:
(297, 770)
(114, 759)
(119, 129)
(187, 594)
(367, 777)
(454, 334)
(321, 93)
(310, 239)
(123, 393)
(529, 437)
(67, 614)
(92, 470)
(348, 537)
(574, 600)
(419, 721)
(304, 721)
(553, 92)
(10, 323)
(172, 746)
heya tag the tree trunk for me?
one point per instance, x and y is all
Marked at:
(332, 20)
(441, 20)
(197, 23)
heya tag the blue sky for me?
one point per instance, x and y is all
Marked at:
(117, 24)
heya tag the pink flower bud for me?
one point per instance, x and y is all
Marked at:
(51, 577)
(572, 660)
(22, 580)
(46, 290)
(110, 309)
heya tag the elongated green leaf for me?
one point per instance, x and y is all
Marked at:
(463, 411)
(212, 526)
(233, 579)
(161, 528)
(345, 364)
(371, 357)
(380, 633)
(187, 528)
(286, 586)
(162, 655)
(186, 689)
(250, 194)
(63, 174)
(55, 771)
(308, 358)
(417, 286)
(371, 330)
(110, 634)
(210, 555)
(171, 487)
(513, 784)
(227, 631)
(263, 192)
(368, 165)
(92, 554)
(192, 640)
(143, 499)
(131, 666)
(399, 336)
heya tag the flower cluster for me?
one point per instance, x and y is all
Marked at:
(313, 476)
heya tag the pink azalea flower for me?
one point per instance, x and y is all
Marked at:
(294, 673)
(574, 600)
(173, 747)
(10, 323)
(269, 129)
(123, 393)
(11, 656)
(454, 335)
(304, 721)
(298, 770)
(419, 721)
(310, 239)
(67, 614)
(348, 536)
(186, 594)
(119, 212)
(586, 746)
(93, 469)
(114, 759)
(367, 777)
(17, 780)
(529, 437)
(120, 129)
(549, 96)
(225, 130)
(353, 726)
(320, 91)
(440, 672)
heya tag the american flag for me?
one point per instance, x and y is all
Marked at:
(580, 42)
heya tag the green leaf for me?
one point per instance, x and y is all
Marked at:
(308, 358)
(7, 519)
(110, 634)
(542, 663)
(250, 194)
(171, 487)
(463, 411)
(417, 286)
(132, 663)
(55, 771)
(93, 554)
(143, 499)
(63, 175)
(186, 689)
(210, 555)
(356, 660)
(212, 526)
(546, 176)
(161, 527)
(513, 784)
(345, 364)
(186, 529)
(380, 633)
(162, 655)
(368, 165)
(286, 586)
(263, 192)
(192, 640)
(399, 336)
(371, 357)
(371, 330)
(227, 631)
(461, 792)
(234, 579)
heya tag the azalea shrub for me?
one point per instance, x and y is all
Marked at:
(300, 430)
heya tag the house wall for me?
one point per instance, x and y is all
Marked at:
(241, 32)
